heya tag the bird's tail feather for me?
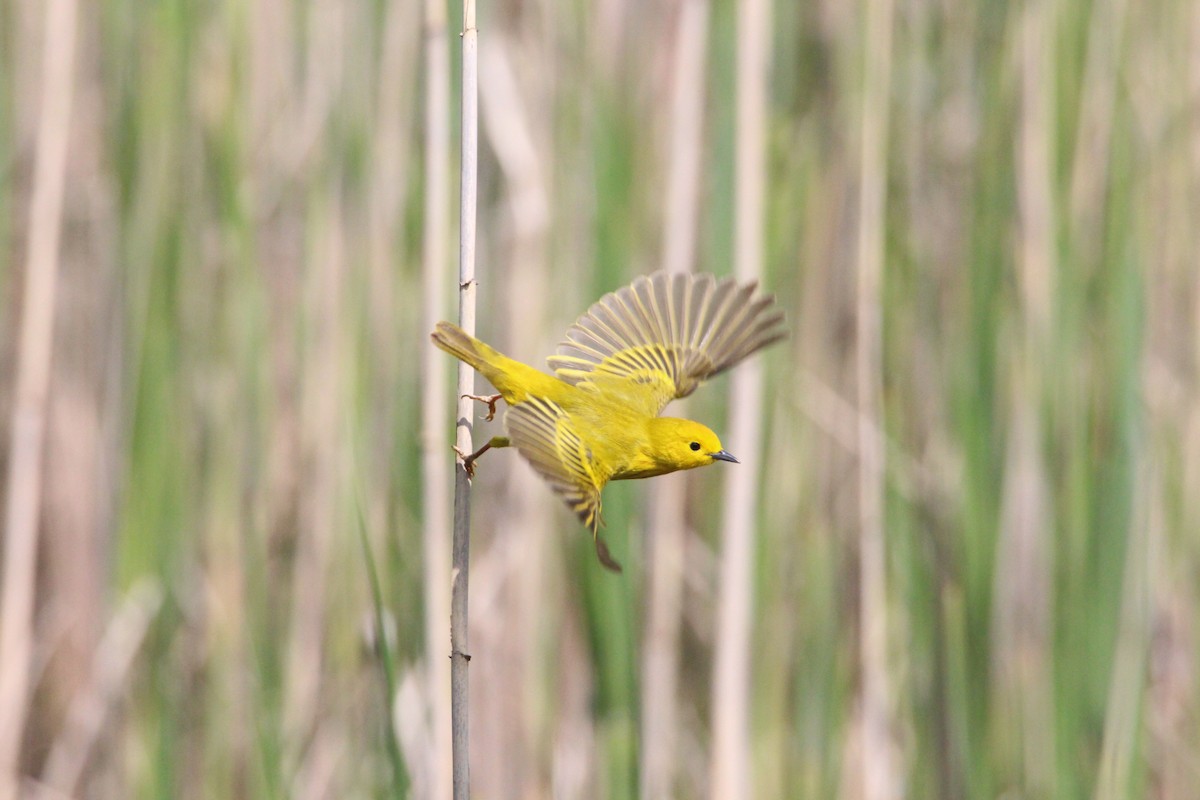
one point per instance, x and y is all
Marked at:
(514, 380)
(460, 344)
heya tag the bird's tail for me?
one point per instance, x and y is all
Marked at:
(514, 380)
(463, 346)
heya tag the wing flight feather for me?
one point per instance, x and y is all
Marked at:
(544, 434)
(660, 337)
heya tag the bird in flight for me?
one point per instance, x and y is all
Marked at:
(635, 350)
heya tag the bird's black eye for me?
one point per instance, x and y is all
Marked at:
(695, 445)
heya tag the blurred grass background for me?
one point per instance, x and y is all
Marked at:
(238, 330)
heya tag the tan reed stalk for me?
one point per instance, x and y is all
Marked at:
(517, 132)
(322, 404)
(666, 538)
(1023, 631)
(92, 707)
(459, 655)
(881, 776)
(1090, 167)
(731, 674)
(35, 347)
(433, 392)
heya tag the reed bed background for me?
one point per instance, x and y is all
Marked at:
(971, 548)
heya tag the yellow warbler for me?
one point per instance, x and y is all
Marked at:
(596, 420)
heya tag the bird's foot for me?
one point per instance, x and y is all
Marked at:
(491, 401)
(468, 460)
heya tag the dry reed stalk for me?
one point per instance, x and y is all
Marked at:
(321, 394)
(1169, 187)
(512, 636)
(731, 675)
(1170, 704)
(1023, 631)
(686, 139)
(435, 493)
(110, 667)
(912, 479)
(35, 345)
(395, 154)
(1022, 614)
(1090, 169)
(666, 538)
(328, 751)
(881, 775)
(1035, 175)
(322, 411)
(459, 656)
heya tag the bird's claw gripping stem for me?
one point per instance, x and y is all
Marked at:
(491, 401)
(468, 460)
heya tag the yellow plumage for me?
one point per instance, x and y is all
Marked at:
(596, 419)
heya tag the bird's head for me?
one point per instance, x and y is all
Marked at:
(683, 444)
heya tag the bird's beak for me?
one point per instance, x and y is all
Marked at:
(722, 455)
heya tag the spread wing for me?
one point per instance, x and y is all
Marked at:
(663, 335)
(544, 434)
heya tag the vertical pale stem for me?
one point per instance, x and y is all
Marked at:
(731, 680)
(1024, 597)
(322, 407)
(1093, 141)
(687, 126)
(459, 656)
(1035, 175)
(517, 136)
(880, 773)
(433, 391)
(668, 530)
(90, 714)
(32, 387)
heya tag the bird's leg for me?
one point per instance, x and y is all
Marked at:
(491, 403)
(469, 460)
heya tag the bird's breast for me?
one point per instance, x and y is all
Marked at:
(640, 467)
(618, 441)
